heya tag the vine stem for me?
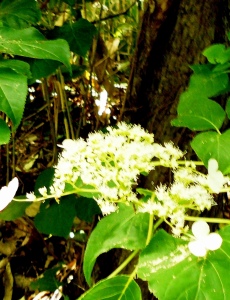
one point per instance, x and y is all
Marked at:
(124, 264)
(209, 220)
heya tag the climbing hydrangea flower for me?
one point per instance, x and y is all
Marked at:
(204, 240)
(7, 193)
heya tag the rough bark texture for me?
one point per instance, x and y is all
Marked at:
(172, 37)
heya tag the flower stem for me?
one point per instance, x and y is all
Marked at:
(150, 230)
(209, 220)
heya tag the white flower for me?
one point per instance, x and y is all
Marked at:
(7, 193)
(43, 191)
(31, 196)
(215, 178)
(204, 240)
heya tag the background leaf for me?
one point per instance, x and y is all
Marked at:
(33, 44)
(48, 281)
(56, 218)
(19, 13)
(114, 288)
(13, 91)
(14, 210)
(4, 132)
(86, 214)
(213, 145)
(198, 113)
(79, 35)
(174, 276)
(122, 229)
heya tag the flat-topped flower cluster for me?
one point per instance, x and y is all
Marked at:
(111, 163)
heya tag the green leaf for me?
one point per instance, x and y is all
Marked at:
(85, 190)
(42, 68)
(56, 218)
(19, 13)
(30, 42)
(217, 54)
(173, 273)
(45, 179)
(198, 112)
(86, 214)
(18, 66)
(227, 108)
(116, 288)
(208, 83)
(14, 210)
(213, 145)
(13, 91)
(122, 229)
(48, 281)
(4, 132)
(79, 35)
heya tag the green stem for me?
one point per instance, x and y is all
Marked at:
(209, 220)
(150, 230)
(124, 264)
(157, 224)
(75, 191)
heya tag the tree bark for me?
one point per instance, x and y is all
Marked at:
(172, 37)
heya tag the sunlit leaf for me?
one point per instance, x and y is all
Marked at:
(173, 273)
(119, 287)
(213, 145)
(4, 132)
(19, 13)
(122, 229)
(198, 113)
(13, 91)
(217, 54)
(30, 42)
(18, 66)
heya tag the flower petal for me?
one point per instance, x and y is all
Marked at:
(213, 241)
(7, 193)
(197, 248)
(200, 229)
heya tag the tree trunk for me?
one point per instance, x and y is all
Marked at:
(173, 35)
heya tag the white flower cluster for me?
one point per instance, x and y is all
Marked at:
(190, 190)
(110, 162)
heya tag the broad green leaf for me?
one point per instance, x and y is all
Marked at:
(48, 281)
(116, 288)
(122, 229)
(86, 214)
(4, 132)
(198, 112)
(173, 273)
(30, 42)
(56, 218)
(213, 145)
(14, 210)
(208, 83)
(13, 91)
(79, 35)
(217, 54)
(18, 66)
(19, 13)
